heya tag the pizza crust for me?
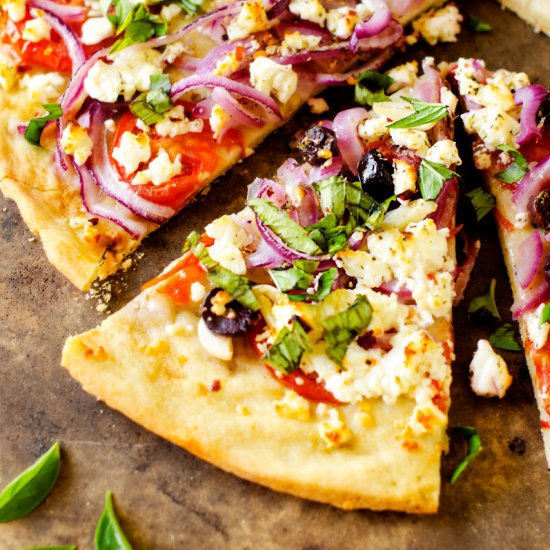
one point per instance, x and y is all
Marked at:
(145, 361)
(535, 12)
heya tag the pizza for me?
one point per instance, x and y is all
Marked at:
(534, 12)
(115, 115)
(507, 118)
(305, 342)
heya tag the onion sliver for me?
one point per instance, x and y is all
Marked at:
(211, 81)
(530, 98)
(99, 204)
(471, 248)
(108, 179)
(349, 142)
(65, 12)
(234, 109)
(530, 255)
(374, 25)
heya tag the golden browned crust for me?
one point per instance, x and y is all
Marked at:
(535, 12)
(145, 361)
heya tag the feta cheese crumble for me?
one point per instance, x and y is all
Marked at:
(489, 372)
(252, 18)
(132, 151)
(96, 30)
(160, 170)
(309, 10)
(76, 142)
(269, 77)
(442, 25)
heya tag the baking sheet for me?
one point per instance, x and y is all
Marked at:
(168, 499)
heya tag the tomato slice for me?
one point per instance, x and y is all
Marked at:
(303, 384)
(200, 156)
(541, 359)
(49, 54)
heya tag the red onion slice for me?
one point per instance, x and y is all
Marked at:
(211, 81)
(71, 41)
(327, 170)
(530, 98)
(65, 12)
(349, 142)
(268, 190)
(374, 25)
(264, 256)
(531, 298)
(403, 7)
(444, 216)
(101, 205)
(389, 36)
(278, 9)
(233, 108)
(395, 287)
(471, 248)
(537, 179)
(108, 179)
(530, 255)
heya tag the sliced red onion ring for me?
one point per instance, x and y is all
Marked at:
(263, 188)
(349, 142)
(108, 179)
(327, 170)
(264, 256)
(444, 216)
(471, 248)
(404, 7)
(389, 36)
(65, 12)
(536, 180)
(233, 108)
(278, 8)
(428, 86)
(71, 41)
(531, 298)
(290, 173)
(530, 98)
(101, 205)
(530, 256)
(395, 287)
(307, 213)
(211, 81)
(374, 25)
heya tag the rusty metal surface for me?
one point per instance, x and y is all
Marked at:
(168, 499)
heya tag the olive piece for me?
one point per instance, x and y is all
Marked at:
(375, 175)
(236, 318)
(543, 114)
(540, 211)
(318, 145)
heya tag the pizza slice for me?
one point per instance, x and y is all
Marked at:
(156, 106)
(305, 342)
(508, 119)
(534, 12)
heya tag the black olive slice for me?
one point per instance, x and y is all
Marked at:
(375, 175)
(236, 318)
(318, 145)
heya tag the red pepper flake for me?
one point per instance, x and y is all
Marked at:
(216, 386)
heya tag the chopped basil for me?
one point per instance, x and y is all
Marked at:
(36, 126)
(286, 352)
(298, 277)
(238, 286)
(424, 113)
(474, 448)
(109, 534)
(284, 227)
(485, 303)
(324, 285)
(190, 6)
(545, 315)
(482, 202)
(504, 338)
(329, 235)
(31, 487)
(431, 178)
(370, 86)
(515, 171)
(149, 106)
(341, 329)
(476, 24)
(134, 23)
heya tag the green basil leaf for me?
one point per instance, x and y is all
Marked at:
(190, 6)
(341, 329)
(284, 227)
(149, 106)
(474, 448)
(36, 126)
(370, 86)
(328, 235)
(324, 286)
(143, 110)
(482, 202)
(476, 24)
(31, 487)
(109, 534)
(485, 303)
(424, 113)
(431, 178)
(545, 315)
(298, 277)
(515, 171)
(286, 352)
(237, 285)
(374, 221)
(504, 338)
(71, 547)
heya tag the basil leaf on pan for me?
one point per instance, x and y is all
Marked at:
(36, 126)
(286, 352)
(476, 24)
(31, 487)
(109, 534)
(284, 227)
(482, 202)
(370, 86)
(545, 315)
(342, 328)
(515, 171)
(485, 303)
(504, 338)
(432, 176)
(474, 448)
(424, 113)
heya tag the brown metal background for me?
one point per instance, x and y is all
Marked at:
(168, 499)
